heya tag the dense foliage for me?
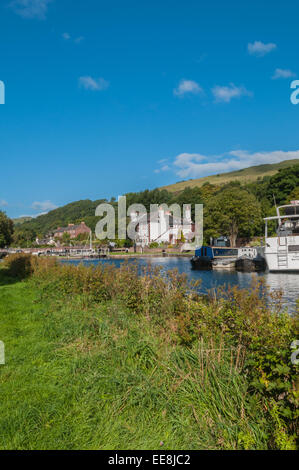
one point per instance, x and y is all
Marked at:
(232, 211)
(6, 230)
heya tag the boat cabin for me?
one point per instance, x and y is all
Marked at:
(287, 219)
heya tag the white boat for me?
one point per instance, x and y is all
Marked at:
(282, 250)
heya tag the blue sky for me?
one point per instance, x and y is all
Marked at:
(104, 98)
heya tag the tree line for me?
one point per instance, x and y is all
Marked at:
(233, 209)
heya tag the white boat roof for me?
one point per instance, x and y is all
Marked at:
(294, 204)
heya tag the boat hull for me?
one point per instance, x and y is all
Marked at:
(282, 254)
(203, 263)
(250, 265)
(224, 264)
(292, 265)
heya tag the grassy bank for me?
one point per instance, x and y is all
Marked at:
(104, 359)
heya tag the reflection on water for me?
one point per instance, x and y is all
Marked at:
(287, 282)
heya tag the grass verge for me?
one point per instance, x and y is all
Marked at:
(87, 371)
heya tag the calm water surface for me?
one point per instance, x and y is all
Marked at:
(287, 282)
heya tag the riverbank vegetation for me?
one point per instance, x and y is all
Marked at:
(103, 358)
(6, 230)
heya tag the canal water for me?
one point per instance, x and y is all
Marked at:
(288, 283)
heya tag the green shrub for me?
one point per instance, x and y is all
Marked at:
(154, 245)
(19, 265)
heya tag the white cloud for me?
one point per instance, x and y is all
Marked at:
(68, 37)
(90, 83)
(163, 168)
(32, 216)
(44, 207)
(260, 49)
(3, 203)
(31, 8)
(41, 213)
(194, 165)
(226, 93)
(283, 73)
(187, 86)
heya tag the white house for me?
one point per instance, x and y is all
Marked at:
(46, 241)
(162, 227)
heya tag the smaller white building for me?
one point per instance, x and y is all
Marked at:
(162, 227)
(46, 241)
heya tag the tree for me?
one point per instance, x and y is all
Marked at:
(294, 196)
(282, 184)
(208, 190)
(232, 211)
(66, 239)
(6, 230)
(23, 237)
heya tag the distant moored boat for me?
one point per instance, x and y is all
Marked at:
(282, 250)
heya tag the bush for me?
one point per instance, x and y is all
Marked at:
(19, 265)
(154, 245)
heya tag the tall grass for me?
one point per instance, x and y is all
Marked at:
(104, 358)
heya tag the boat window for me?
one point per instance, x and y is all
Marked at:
(225, 252)
(293, 248)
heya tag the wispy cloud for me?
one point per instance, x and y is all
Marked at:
(44, 207)
(3, 203)
(163, 168)
(187, 87)
(260, 49)
(68, 37)
(283, 73)
(95, 84)
(32, 216)
(226, 93)
(195, 165)
(31, 8)
(79, 39)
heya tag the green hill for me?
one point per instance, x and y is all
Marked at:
(247, 175)
(21, 220)
(74, 213)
